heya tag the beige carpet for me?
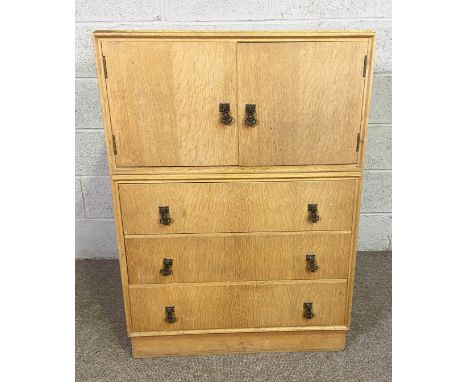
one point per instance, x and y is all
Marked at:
(103, 350)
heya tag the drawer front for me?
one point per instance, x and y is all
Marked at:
(237, 257)
(246, 305)
(237, 206)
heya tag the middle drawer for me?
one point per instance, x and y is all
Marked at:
(323, 205)
(237, 257)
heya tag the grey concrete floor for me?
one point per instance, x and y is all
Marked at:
(103, 350)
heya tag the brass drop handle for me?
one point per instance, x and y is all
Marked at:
(170, 314)
(311, 263)
(165, 217)
(308, 310)
(166, 269)
(225, 117)
(250, 111)
(313, 213)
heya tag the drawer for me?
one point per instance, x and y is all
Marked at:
(237, 206)
(237, 257)
(237, 305)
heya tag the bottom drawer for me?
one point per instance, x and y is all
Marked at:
(237, 305)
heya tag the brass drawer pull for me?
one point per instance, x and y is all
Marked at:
(311, 264)
(250, 110)
(165, 218)
(308, 310)
(170, 314)
(166, 269)
(225, 116)
(313, 213)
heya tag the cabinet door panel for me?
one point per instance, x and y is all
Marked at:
(308, 98)
(164, 102)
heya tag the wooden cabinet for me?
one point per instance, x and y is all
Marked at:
(236, 168)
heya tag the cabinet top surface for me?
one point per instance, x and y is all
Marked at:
(233, 34)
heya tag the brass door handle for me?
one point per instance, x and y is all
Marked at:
(225, 117)
(251, 111)
(311, 263)
(170, 314)
(313, 213)
(166, 269)
(165, 217)
(308, 310)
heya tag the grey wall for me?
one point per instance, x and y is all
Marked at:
(95, 230)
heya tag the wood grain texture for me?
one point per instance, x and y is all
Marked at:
(309, 101)
(164, 101)
(237, 206)
(237, 305)
(237, 257)
(238, 343)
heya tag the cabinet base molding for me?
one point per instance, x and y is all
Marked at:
(225, 343)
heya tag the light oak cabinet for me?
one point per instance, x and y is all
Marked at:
(236, 168)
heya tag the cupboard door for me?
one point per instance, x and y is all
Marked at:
(309, 100)
(164, 102)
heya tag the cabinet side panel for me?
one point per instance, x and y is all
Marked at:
(367, 101)
(352, 262)
(122, 255)
(363, 145)
(106, 118)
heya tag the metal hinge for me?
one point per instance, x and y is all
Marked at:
(358, 143)
(104, 64)
(365, 66)
(114, 145)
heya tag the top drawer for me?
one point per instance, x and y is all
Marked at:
(237, 206)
